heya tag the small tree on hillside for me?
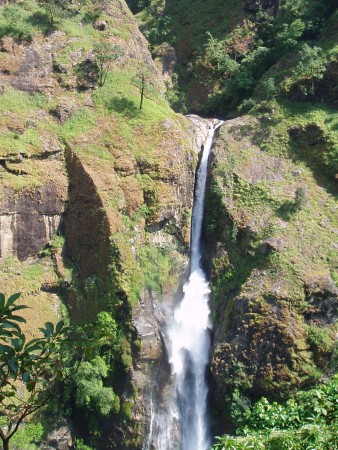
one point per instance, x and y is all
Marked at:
(105, 55)
(11, 14)
(30, 370)
(54, 9)
(144, 84)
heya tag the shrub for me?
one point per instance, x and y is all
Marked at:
(246, 105)
(90, 392)
(309, 421)
(15, 18)
(300, 198)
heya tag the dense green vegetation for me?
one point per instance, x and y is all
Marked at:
(308, 421)
(30, 370)
(276, 66)
(241, 62)
(37, 373)
(280, 51)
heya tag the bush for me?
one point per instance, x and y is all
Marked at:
(300, 198)
(81, 446)
(246, 105)
(90, 392)
(267, 89)
(16, 25)
(307, 422)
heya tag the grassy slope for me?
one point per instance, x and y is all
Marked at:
(89, 131)
(134, 158)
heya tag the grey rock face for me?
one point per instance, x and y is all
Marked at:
(28, 220)
(100, 25)
(34, 71)
(165, 54)
(63, 110)
(60, 439)
(271, 245)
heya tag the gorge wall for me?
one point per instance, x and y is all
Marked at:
(96, 194)
(271, 233)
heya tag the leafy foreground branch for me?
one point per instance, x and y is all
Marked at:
(31, 371)
(308, 422)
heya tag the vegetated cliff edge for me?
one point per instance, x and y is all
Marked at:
(271, 225)
(96, 194)
(82, 166)
(270, 218)
(223, 51)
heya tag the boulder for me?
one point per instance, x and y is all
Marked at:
(63, 110)
(100, 25)
(166, 58)
(272, 245)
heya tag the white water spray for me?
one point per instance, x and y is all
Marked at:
(189, 334)
(188, 343)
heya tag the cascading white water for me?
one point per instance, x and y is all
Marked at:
(189, 332)
(188, 343)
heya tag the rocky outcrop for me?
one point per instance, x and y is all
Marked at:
(270, 5)
(28, 220)
(60, 439)
(152, 374)
(272, 293)
(124, 207)
(87, 233)
(165, 57)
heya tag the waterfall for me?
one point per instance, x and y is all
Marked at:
(188, 343)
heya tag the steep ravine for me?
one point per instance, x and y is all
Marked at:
(95, 212)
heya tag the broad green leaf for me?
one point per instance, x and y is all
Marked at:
(14, 325)
(6, 325)
(2, 300)
(13, 366)
(6, 333)
(31, 348)
(59, 326)
(50, 327)
(12, 299)
(17, 344)
(26, 377)
(18, 318)
(6, 349)
(19, 307)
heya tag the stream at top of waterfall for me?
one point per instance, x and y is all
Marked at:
(184, 424)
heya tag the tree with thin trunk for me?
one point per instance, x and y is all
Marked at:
(143, 81)
(30, 370)
(104, 56)
(54, 9)
(142, 89)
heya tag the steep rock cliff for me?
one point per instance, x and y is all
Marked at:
(271, 225)
(95, 192)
